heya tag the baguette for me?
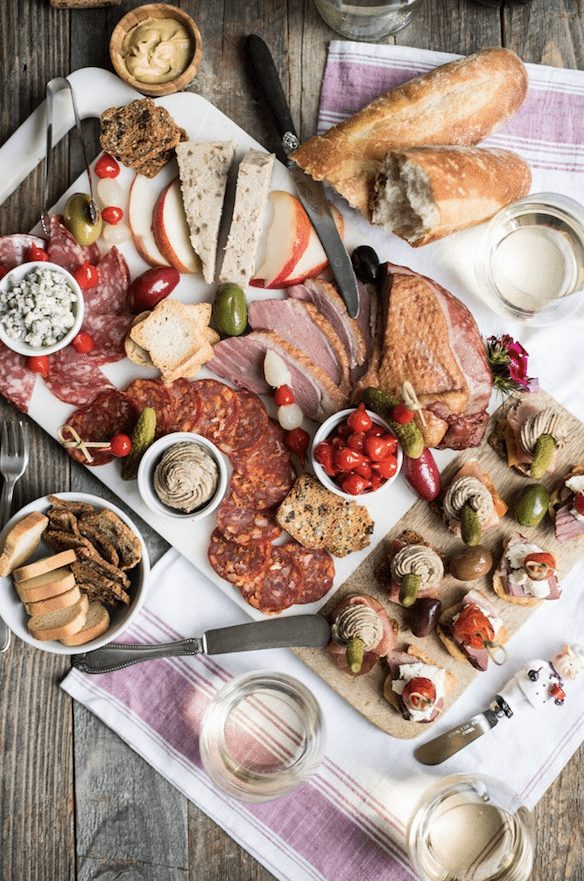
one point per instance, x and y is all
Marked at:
(60, 624)
(22, 541)
(51, 604)
(47, 564)
(457, 103)
(98, 621)
(425, 193)
(50, 584)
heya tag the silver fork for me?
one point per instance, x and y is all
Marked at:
(13, 462)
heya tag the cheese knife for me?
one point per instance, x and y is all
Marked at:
(311, 193)
(310, 631)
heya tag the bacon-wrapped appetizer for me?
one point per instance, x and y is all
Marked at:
(529, 437)
(472, 631)
(526, 573)
(416, 685)
(415, 569)
(471, 504)
(362, 632)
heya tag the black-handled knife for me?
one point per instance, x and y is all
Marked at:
(310, 192)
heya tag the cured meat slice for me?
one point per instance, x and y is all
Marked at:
(16, 381)
(109, 333)
(251, 425)
(109, 413)
(243, 567)
(13, 248)
(109, 296)
(263, 488)
(245, 524)
(74, 378)
(217, 419)
(152, 393)
(185, 405)
(64, 250)
(272, 450)
(280, 586)
(316, 567)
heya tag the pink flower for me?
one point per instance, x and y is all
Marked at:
(509, 360)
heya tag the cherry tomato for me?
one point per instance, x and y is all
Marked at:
(121, 445)
(473, 628)
(354, 484)
(540, 566)
(86, 275)
(376, 431)
(347, 460)
(392, 441)
(377, 448)
(283, 396)
(343, 430)
(3, 270)
(356, 441)
(297, 441)
(38, 364)
(419, 693)
(337, 442)
(579, 503)
(387, 467)
(83, 343)
(112, 214)
(363, 469)
(324, 454)
(359, 419)
(36, 253)
(375, 481)
(107, 166)
(402, 414)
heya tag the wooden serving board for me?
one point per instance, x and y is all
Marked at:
(365, 692)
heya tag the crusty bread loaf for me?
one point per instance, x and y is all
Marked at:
(47, 564)
(457, 103)
(51, 604)
(424, 193)
(49, 584)
(97, 622)
(60, 624)
(22, 541)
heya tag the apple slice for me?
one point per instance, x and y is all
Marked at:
(313, 260)
(144, 193)
(171, 230)
(287, 236)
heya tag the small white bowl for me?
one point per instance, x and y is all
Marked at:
(325, 431)
(152, 457)
(16, 275)
(12, 609)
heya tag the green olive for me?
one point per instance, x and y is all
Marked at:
(78, 221)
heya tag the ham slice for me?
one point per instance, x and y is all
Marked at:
(383, 648)
(567, 526)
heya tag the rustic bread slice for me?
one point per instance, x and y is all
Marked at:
(59, 624)
(97, 622)
(203, 170)
(172, 332)
(49, 584)
(51, 604)
(47, 564)
(22, 541)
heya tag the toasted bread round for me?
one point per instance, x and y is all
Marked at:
(98, 621)
(61, 623)
(51, 604)
(44, 586)
(499, 588)
(22, 541)
(136, 353)
(47, 564)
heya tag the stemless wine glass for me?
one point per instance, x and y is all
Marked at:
(367, 20)
(262, 736)
(471, 828)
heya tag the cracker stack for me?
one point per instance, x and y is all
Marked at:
(141, 135)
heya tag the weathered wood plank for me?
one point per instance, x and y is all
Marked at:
(453, 26)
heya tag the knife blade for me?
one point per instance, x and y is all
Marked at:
(311, 193)
(310, 631)
(440, 748)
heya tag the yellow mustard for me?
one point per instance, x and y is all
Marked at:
(157, 50)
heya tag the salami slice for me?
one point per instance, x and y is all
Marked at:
(243, 567)
(64, 250)
(109, 333)
(263, 489)
(316, 567)
(244, 524)
(217, 419)
(269, 455)
(152, 393)
(251, 425)
(109, 413)
(185, 405)
(16, 381)
(13, 248)
(110, 294)
(73, 378)
(280, 586)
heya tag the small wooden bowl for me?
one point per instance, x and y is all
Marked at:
(135, 17)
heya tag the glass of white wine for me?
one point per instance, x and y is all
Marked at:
(367, 20)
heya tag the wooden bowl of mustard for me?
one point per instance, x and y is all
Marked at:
(156, 49)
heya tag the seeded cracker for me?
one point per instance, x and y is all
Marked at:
(141, 135)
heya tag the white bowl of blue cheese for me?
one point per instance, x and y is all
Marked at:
(41, 308)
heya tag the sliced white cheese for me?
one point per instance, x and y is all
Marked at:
(517, 552)
(203, 169)
(576, 483)
(407, 672)
(253, 185)
(538, 589)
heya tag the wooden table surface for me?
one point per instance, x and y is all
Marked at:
(75, 801)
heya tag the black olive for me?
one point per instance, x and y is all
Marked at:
(365, 263)
(424, 615)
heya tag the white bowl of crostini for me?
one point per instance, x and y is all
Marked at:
(12, 609)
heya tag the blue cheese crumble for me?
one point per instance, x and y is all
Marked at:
(39, 309)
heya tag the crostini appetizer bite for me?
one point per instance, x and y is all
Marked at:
(528, 437)
(416, 685)
(567, 506)
(471, 505)
(362, 632)
(472, 631)
(415, 569)
(526, 573)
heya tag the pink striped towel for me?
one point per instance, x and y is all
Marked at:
(348, 820)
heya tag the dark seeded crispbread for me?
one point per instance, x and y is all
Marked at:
(115, 532)
(60, 540)
(63, 519)
(140, 134)
(77, 508)
(104, 569)
(152, 166)
(110, 593)
(100, 541)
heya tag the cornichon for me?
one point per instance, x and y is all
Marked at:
(355, 652)
(230, 310)
(470, 525)
(409, 435)
(142, 437)
(545, 447)
(408, 589)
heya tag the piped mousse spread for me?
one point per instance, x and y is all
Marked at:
(468, 490)
(186, 477)
(157, 50)
(360, 622)
(419, 560)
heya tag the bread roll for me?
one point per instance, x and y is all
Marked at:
(425, 193)
(457, 103)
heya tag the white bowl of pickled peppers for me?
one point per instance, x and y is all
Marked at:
(355, 454)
